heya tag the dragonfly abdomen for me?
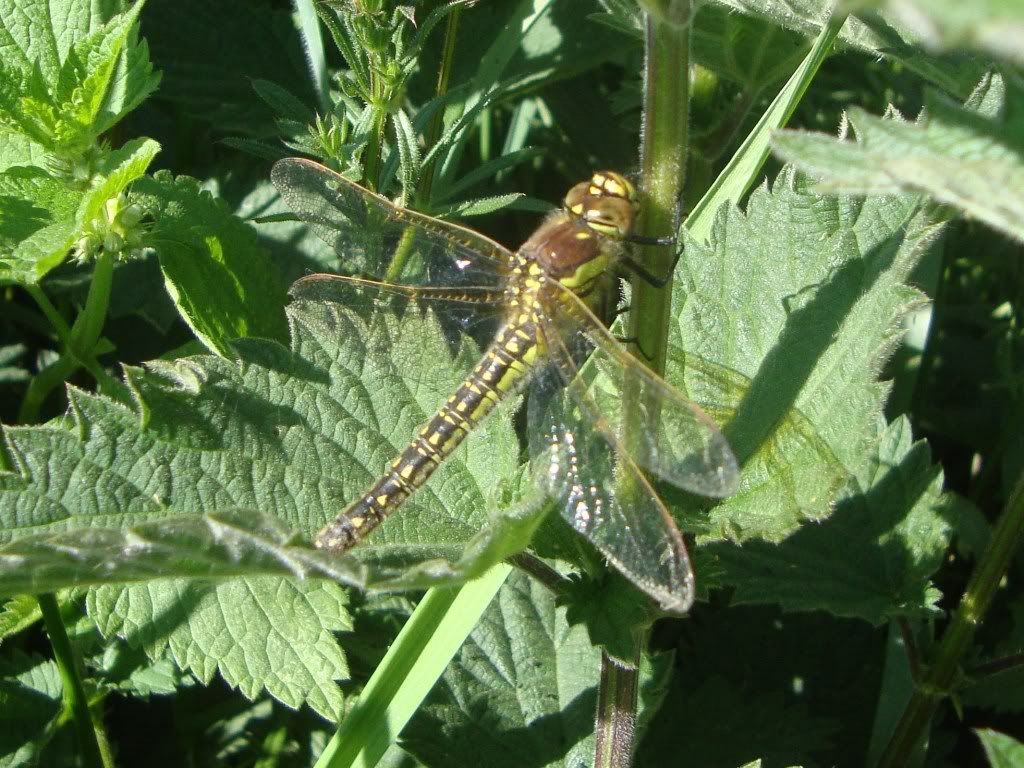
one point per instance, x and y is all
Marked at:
(504, 365)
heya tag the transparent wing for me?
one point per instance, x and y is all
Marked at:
(383, 316)
(375, 238)
(602, 494)
(671, 437)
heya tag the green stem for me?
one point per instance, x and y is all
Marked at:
(663, 167)
(615, 728)
(62, 329)
(371, 169)
(85, 358)
(956, 640)
(42, 384)
(416, 659)
(79, 341)
(663, 164)
(75, 701)
(444, 73)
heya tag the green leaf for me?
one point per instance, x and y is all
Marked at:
(30, 705)
(294, 434)
(745, 49)
(408, 153)
(85, 75)
(972, 159)
(520, 692)
(43, 216)
(284, 103)
(260, 634)
(16, 149)
(114, 173)
(59, 93)
(30, 199)
(480, 206)
(20, 612)
(1001, 750)
(220, 279)
(37, 223)
(132, 83)
(785, 317)
(993, 26)
(872, 559)
(131, 672)
(870, 34)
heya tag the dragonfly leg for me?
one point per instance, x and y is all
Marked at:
(633, 266)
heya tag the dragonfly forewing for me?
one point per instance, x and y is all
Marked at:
(377, 239)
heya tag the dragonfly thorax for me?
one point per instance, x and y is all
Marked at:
(579, 245)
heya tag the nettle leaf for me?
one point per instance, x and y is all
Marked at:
(222, 282)
(47, 215)
(745, 49)
(872, 559)
(521, 691)
(18, 613)
(870, 33)
(17, 149)
(260, 634)
(996, 26)
(787, 315)
(58, 72)
(132, 82)
(30, 705)
(112, 493)
(293, 433)
(971, 158)
(85, 74)
(37, 215)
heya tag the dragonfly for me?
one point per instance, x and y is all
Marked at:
(553, 299)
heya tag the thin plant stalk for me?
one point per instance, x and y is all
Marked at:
(663, 162)
(76, 703)
(956, 640)
(80, 343)
(615, 726)
(433, 133)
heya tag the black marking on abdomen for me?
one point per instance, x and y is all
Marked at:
(504, 363)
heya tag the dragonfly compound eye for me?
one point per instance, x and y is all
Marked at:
(607, 203)
(610, 216)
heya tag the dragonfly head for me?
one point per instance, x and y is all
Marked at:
(607, 203)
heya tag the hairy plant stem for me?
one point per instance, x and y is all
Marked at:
(79, 341)
(76, 703)
(943, 673)
(615, 736)
(662, 170)
(374, 147)
(444, 73)
(422, 202)
(663, 163)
